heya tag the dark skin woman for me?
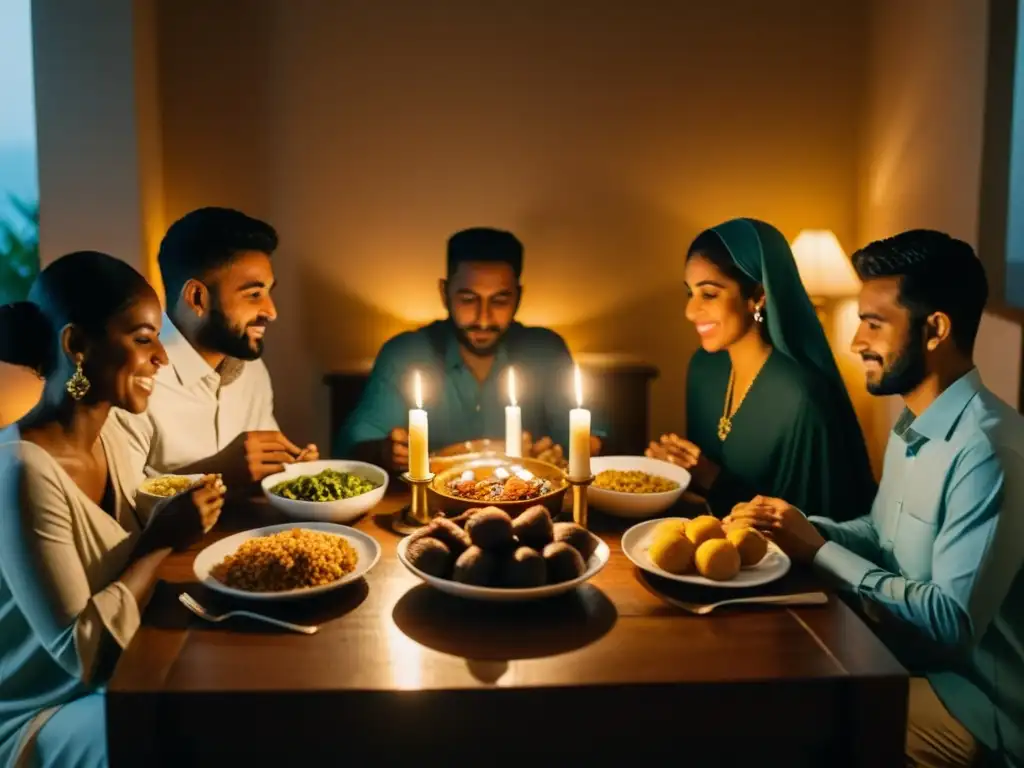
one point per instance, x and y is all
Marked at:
(77, 567)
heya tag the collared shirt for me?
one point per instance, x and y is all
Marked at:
(943, 548)
(195, 411)
(459, 407)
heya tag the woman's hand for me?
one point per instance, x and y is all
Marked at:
(186, 518)
(676, 450)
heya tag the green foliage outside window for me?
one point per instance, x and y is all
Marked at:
(19, 252)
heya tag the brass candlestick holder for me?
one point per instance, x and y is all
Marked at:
(580, 513)
(417, 513)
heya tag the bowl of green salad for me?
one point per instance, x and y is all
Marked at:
(330, 491)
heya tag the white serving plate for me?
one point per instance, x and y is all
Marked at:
(636, 505)
(597, 561)
(340, 511)
(636, 540)
(366, 547)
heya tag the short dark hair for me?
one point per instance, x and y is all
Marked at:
(937, 273)
(86, 289)
(485, 244)
(206, 239)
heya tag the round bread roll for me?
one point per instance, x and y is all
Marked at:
(668, 526)
(749, 542)
(704, 528)
(717, 559)
(672, 551)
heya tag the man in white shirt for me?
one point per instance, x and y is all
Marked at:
(212, 408)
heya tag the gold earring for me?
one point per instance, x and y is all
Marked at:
(78, 385)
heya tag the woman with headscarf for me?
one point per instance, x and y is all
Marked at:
(767, 411)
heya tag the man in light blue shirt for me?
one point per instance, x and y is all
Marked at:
(938, 561)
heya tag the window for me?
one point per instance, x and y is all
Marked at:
(19, 181)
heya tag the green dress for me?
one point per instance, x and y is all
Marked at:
(785, 440)
(795, 435)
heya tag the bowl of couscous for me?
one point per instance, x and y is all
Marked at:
(157, 491)
(635, 486)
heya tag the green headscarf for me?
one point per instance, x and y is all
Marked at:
(762, 254)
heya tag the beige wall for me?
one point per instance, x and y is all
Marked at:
(98, 148)
(606, 134)
(367, 134)
(924, 140)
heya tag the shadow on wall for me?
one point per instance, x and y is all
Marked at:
(340, 327)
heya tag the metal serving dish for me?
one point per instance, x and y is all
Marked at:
(459, 453)
(485, 467)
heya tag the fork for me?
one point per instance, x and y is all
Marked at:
(804, 598)
(189, 602)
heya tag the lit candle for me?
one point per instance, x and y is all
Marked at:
(513, 420)
(579, 435)
(419, 459)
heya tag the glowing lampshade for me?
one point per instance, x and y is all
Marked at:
(825, 270)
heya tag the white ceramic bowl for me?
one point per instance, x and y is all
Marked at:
(367, 549)
(340, 511)
(597, 561)
(636, 505)
(147, 503)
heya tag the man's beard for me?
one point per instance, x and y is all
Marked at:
(218, 334)
(907, 371)
(462, 334)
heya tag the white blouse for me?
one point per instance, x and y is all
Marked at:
(60, 600)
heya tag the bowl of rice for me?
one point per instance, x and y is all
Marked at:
(635, 486)
(157, 491)
(330, 491)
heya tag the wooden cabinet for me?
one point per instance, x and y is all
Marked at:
(619, 389)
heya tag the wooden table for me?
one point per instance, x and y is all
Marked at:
(401, 673)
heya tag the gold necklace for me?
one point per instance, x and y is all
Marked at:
(725, 423)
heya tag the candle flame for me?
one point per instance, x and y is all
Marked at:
(512, 386)
(579, 387)
(419, 390)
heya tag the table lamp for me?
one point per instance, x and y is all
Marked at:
(825, 270)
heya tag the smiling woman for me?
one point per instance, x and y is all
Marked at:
(767, 412)
(77, 566)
